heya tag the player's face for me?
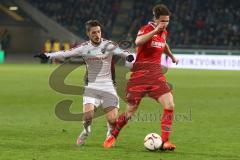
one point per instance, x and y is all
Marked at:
(164, 20)
(95, 34)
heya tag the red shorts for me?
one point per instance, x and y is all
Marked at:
(140, 86)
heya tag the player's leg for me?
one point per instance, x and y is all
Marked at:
(123, 118)
(111, 116)
(110, 104)
(119, 124)
(88, 110)
(133, 99)
(167, 102)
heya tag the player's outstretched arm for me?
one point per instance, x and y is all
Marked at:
(41, 56)
(169, 53)
(61, 54)
(124, 53)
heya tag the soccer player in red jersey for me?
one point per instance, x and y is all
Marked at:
(147, 78)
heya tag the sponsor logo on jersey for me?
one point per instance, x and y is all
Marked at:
(97, 58)
(157, 44)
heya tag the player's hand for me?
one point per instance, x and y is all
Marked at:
(130, 58)
(175, 60)
(160, 27)
(41, 56)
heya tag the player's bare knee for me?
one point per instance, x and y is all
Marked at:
(129, 114)
(87, 120)
(111, 114)
(132, 108)
(88, 116)
(111, 118)
(131, 111)
(169, 106)
(112, 121)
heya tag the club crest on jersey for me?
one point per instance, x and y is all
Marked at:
(157, 44)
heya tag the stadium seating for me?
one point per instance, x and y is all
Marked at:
(205, 23)
(193, 23)
(74, 13)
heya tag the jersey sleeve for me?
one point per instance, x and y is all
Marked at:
(144, 30)
(121, 52)
(77, 51)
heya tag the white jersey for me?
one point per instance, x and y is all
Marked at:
(98, 58)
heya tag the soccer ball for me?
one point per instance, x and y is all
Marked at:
(152, 141)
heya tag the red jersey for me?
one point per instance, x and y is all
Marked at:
(147, 78)
(152, 50)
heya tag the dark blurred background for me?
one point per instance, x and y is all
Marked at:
(33, 26)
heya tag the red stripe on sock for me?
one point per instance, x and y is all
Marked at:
(120, 123)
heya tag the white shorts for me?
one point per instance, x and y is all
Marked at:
(103, 94)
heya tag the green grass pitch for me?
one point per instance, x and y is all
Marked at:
(206, 128)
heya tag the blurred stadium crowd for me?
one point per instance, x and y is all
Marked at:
(193, 22)
(72, 14)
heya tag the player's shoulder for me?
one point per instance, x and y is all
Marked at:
(149, 25)
(106, 41)
(145, 28)
(82, 44)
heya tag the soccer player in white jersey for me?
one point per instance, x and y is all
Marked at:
(99, 89)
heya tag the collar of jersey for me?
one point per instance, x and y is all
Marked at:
(98, 44)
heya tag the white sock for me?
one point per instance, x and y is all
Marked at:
(109, 129)
(87, 128)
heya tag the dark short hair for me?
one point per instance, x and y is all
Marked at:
(92, 23)
(160, 10)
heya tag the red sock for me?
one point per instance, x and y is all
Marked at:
(166, 124)
(120, 123)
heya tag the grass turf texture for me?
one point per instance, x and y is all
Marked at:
(29, 129)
